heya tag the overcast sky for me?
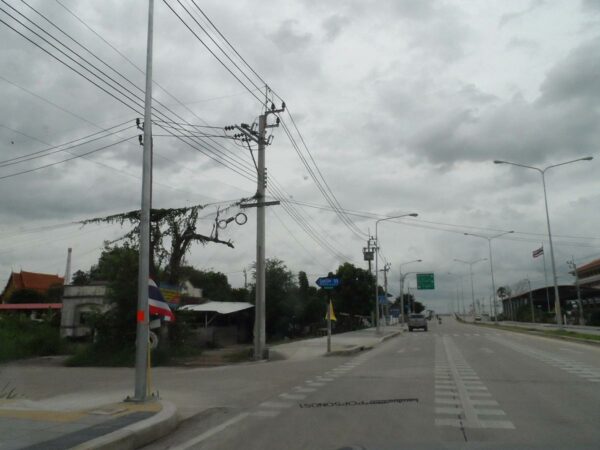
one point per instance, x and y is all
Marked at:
(404, 105)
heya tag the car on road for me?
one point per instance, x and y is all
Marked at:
(478, 318)
(417, 321)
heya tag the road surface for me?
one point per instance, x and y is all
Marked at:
(455, 386)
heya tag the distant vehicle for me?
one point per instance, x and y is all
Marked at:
(417, 321)
(478, 318)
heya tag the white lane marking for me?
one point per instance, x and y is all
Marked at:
(293, 396)
(325, 379)
(316, 384)
(448, 401)
(490, 412)
(506, 424)
(487, 350)
(484, 403)
(276, 404)
(447, 410)
(448, 423)
(269, 413)
(570, 350)
(305, 389)
(401, 350)
(210, 432)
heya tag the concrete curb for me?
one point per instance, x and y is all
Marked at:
(539, 333)
(360, 348)
(138, 434)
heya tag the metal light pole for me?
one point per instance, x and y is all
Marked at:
(462, 292)
(142, 329)
(543, 174)
(402, 286)
(470, 264)
(377, 264)
(489, 239)
(573, 266)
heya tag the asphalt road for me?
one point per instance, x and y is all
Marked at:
(456, 386)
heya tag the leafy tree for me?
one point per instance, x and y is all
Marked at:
(312, 302)
(409, 300)
(80, 278)
(214, 285)
(418, 307)
(240, 295)
(118, 265)
(172, 232)
(283, 308)
(355, 294)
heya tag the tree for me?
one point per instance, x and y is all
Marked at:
(418, 307)
(409, 300)
(80, 278)
(172, 232)
(355, 294)
(283, 308)
(214, 285)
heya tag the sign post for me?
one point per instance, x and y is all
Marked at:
(328, 283)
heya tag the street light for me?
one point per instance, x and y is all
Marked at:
(402, 285)
(462, 292)
(377, 264)
(470, 264)
(543, 173)
(489, 239)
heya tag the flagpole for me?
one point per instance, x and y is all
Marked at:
(546, 278)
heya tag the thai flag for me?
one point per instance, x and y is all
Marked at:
(157, 304)
(538, 252)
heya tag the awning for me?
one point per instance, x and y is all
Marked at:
(218, 307)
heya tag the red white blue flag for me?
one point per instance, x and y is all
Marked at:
(157, 304)
(538, 252)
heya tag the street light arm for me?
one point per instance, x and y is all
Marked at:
(517, 164)
(587, 158)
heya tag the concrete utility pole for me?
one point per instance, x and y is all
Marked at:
(142, 332)
(489, 239)
(531, 301)
(386, 307)
(248, 134)
(245, 279)
(470, 264)
(573, 266)
(542, 172)
(377, 263)
(402, 285)
(546, 278)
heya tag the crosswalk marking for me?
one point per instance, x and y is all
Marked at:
(461, 398)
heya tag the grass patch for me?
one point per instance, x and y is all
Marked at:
(21, 338)
(246, 354)
(573, 334)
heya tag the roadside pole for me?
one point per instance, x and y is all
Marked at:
(329, 308)
(142, 331)
(259, 320)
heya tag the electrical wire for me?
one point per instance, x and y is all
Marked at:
(66, 160)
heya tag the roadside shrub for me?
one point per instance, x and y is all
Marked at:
(22, 337)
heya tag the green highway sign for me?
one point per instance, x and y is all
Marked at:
(425, 281)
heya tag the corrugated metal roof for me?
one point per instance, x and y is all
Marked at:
(218, 307)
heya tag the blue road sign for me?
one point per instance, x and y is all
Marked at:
(328, 282)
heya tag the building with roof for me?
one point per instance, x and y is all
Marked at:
(589, 274)
(39, 282)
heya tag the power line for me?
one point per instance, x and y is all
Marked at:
(138, 98)
(66, 160)
(58, 148)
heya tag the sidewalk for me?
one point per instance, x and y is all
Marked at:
(53, 424)
(341, 344)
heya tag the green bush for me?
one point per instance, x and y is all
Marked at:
(22, 337)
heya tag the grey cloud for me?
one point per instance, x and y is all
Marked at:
(288, 39)
(529, 45)
(334, 25)
(576, 78)
(591, 5)
(509, 17)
